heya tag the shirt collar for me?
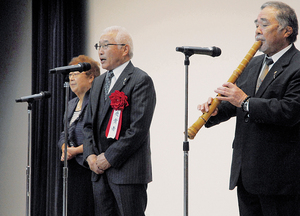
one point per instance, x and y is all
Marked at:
(276, 56)
(118, 70)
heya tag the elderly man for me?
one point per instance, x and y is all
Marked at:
(266, 103)
(117, 144)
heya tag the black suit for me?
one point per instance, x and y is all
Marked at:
(266, 147)
(130, 154)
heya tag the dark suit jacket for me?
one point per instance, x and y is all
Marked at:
(78, 138)
(130, 155)
(266, 147)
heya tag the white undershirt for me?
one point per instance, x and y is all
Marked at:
(75, 116)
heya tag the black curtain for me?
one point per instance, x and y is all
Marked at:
(58, 34)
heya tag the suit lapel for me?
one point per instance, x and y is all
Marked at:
(276, 71)
(253, 74)
(119, 85)
(272, 74)
(123, 78)
(96, 92)
(71, 108)
(86, 99)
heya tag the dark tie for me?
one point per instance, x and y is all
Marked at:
(108, 77)
(264, 73)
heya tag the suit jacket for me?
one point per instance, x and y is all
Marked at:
(130, 155)
(77, 138)
(266, 147)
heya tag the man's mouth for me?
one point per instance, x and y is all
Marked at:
(259, 38)
(102, 60)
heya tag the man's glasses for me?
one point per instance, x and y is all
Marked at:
(105, 46)
(75, 74)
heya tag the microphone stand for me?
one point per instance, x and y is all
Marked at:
(65, 169)
(28, 171)
(185, 142)
(189, 51)
(28, 168)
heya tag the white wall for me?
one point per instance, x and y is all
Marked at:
(15, 70)
(157, 28)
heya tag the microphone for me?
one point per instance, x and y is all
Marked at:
(211, 51)
(31, 98)
(84, 66)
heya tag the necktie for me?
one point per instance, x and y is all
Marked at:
(264, 73)
(108, 77)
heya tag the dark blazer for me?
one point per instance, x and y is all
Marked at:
(129, 156)
(266, 147)
(78, 139)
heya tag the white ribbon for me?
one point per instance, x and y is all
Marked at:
(114, 124)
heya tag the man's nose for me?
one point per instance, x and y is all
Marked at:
(258, 30)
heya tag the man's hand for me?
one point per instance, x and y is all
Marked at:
(231, 93)
(102, 163)
(204, 108)
(92, 164)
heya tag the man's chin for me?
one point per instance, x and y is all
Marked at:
(104, 67)
(262, 48)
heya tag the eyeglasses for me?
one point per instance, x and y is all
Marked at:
(75, 74)
(105, 46)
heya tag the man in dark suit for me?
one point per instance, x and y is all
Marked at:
(266, 147)
(119, 158)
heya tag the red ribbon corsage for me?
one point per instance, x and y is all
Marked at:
(118, 103)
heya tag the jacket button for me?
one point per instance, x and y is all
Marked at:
(246, 118)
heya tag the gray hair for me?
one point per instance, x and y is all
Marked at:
(122, 37)
(285, 16)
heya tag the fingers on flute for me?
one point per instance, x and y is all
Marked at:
(205, 106)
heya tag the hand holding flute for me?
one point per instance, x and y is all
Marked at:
(229, 92)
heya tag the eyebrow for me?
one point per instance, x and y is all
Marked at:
(105, 41)
(262, 19)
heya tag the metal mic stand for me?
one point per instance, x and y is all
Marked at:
(186, 143)
(28, 171)
(65, 169)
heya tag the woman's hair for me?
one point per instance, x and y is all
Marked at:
(285, 16)
(95, 66)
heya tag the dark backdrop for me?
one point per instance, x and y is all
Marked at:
(58, 34)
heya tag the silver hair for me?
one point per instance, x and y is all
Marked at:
(122, 37)
(285, 16)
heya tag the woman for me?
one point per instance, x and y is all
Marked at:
(80, 194)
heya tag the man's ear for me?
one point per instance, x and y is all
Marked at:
(288, 31)
(126, 50)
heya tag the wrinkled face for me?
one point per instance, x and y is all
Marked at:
(112, 56)
(269, 32)
(80, 83)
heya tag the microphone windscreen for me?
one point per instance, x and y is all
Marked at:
(216, 51)
(46, 94)
(85, 66)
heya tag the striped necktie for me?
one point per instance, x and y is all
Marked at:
(108, 77)
(264, 73)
